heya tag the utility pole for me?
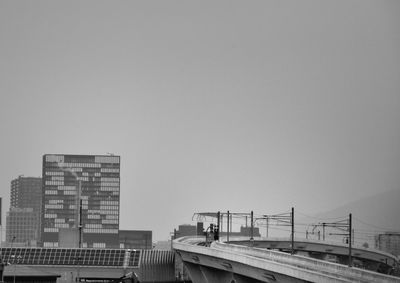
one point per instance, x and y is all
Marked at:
(350, 238)
(79, 228)
(216, 237)
(292, 220)
(230, 225)
(227, 227)
(14, 255)
(222, 224)
(252, 227)
(80, 223)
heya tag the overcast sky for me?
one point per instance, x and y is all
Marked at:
(212, 105)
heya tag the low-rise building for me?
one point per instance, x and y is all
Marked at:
(388, 242)
(135, 239)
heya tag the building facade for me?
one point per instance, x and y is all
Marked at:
(26, 192)
(22, 227)
(136, 239)
(23, 219)
(388, 242)
(81, 193)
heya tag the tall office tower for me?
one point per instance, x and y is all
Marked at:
(81, 191)
(23, 219)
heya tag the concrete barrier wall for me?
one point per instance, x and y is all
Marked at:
(255, 265)
(295, 266)
(308, 263)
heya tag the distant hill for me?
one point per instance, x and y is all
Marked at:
(381, 211)
(371, 215)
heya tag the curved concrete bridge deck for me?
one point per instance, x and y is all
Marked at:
(364, 258)
(221, 262)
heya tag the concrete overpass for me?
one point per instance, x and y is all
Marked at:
(236, 263)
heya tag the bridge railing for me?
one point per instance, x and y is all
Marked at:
(304, 244)
(307, 263)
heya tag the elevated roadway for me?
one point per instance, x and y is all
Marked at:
(236, 263)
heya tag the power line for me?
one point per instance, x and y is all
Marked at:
(372, 225)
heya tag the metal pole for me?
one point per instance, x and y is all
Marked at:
(230, 225)
(12, 242)
(218, 225)
(252, 227)
(15, 267)
(80, 214)
(222, 224)
(292, 220)
(2, 270)
(350, 236)
(227, 228)
(218, 219)
(323, 231)
(267, 225)
(79, 227)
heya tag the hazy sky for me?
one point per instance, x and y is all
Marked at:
(212, 105)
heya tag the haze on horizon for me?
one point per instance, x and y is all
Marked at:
(259, 105)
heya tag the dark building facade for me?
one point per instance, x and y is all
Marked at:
(135, 239)
(26, 192)
(22, 227)
(185, 230)
(81, 190)
(23, 219)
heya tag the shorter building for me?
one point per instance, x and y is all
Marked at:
(388, 242)
(22, 227)
(163, 245)
(246, 232)
(135, 239)
(23, 219)
(185, 230)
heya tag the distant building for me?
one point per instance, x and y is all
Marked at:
(26, 192)
(22, 227)
(90, 183)
(246, 232)
(135, 239)
(23, 219)
(163, 245)
(388, 242)
(185, 230)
